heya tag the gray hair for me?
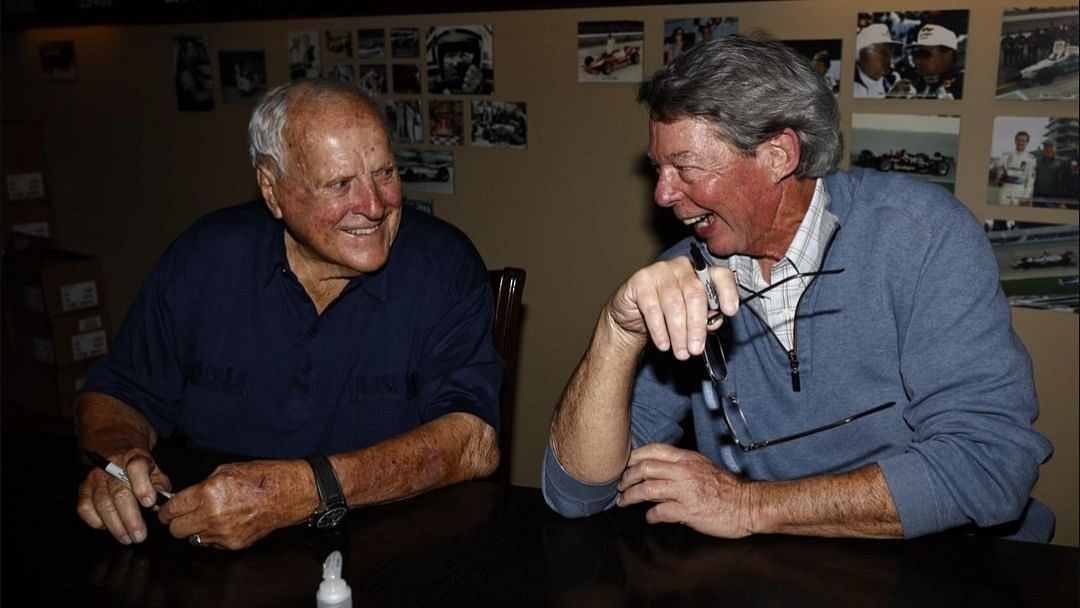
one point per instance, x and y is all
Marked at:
(266, 129)
(750, 89)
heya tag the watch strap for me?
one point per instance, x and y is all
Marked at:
(327, 483)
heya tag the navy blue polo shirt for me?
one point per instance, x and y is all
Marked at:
(224, 345)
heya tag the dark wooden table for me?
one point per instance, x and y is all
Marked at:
(486, 544)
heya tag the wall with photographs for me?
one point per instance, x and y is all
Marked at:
(549, 175)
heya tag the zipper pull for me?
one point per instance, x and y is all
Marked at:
(793, 357)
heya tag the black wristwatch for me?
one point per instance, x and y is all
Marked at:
(332, 507)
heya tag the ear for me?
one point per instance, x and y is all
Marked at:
(267, 180)
(781, 154)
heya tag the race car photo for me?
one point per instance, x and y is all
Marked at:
(901, 160)
(606, 63)
(1063, 60)
(1046, 260)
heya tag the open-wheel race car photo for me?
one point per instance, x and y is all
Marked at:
(1063, 60)
(901, 160)
(424, 173)
(1046, 260)
(607, 63)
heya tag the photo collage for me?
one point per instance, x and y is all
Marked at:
(436, 85)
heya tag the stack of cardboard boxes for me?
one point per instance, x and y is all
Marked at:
(26, 203)
(55, 324)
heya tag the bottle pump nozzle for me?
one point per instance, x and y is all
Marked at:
(333, 591)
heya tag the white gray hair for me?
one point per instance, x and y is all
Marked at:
(266, 129)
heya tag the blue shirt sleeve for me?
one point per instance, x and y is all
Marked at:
(141, 369)
(974, 456)
(462, 372)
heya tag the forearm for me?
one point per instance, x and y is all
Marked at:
(109, 426)
(590, 432)
(452, 448)
(855, 504)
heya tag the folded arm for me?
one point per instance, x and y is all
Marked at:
(689, 489)
(242, 502)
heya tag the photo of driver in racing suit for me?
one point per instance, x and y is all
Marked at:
(1015, 173)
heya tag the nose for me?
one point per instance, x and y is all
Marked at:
(368, 199)
(665, 194)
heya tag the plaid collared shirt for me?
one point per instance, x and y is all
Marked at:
(777, 308)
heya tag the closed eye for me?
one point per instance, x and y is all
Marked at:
(689, 173)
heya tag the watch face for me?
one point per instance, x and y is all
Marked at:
(330, 517)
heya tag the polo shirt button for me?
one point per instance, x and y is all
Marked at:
(314, 331)
(306, 367)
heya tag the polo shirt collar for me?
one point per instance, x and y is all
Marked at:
(374, 284)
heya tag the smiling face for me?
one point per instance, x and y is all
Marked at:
(340, 195)
(730, 201)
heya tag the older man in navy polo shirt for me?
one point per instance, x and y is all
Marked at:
(325, 323)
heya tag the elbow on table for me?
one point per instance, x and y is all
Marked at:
(484, 452)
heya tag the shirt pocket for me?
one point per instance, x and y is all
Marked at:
(221, 378)
(384, 387)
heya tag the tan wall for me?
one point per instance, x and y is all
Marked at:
(128, 172)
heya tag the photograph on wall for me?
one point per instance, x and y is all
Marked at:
(423, 205)
(405, 121)
(1039, 58)
(460, 60)
(405, 42)
(681, 34)
(1037, 263)
(911, 54)
(370, 44)
(194, 84)
(57, 59)
(406, 78)
(1034, 162)
(337, 45)
(372, 79)
(824, 55)
(303, 55)
(426, 170)
(610, 51)
(340, 71)
(243, 75)
(921, 146)
(447, 122)
(499, 124)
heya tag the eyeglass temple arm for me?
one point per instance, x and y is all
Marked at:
(760, 294)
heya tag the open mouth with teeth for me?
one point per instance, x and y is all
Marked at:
(699, 221)
(362, 231)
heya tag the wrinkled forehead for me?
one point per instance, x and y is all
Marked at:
(312, 121)
(333, 112)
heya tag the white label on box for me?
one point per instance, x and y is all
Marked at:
(78, 295)
(21, 186)
(39, 229)
(44, 351)
(89, 324)
(33, 298)
(92, 344)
